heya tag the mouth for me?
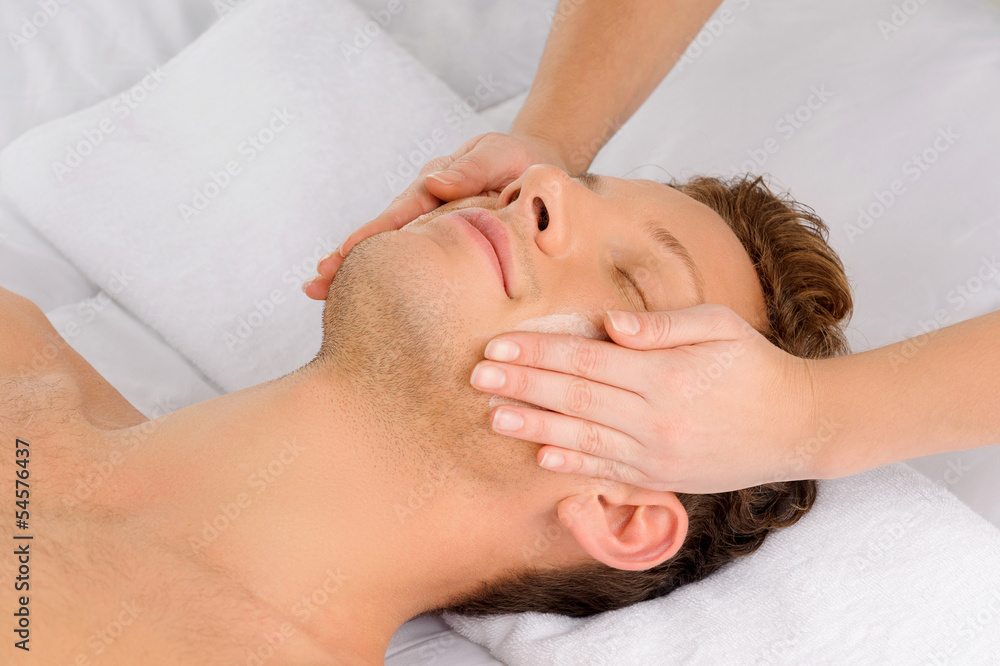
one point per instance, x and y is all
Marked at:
(498, 244)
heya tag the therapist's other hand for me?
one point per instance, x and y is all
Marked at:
(696, 401)
(484, 164)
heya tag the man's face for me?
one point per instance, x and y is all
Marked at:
(569, 240)
(413, 309)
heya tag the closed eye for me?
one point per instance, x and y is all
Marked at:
(635, 287)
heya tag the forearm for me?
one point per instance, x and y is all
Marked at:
(601, 61)
(934, 393)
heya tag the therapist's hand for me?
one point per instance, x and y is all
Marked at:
(696, 401)
(484, 164)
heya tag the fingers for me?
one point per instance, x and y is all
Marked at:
(570, 395)
(411, 204)
(572, 462)
(473, 174)
(408, 206)
(328, 265)
(584, 447)
(317, 288)
(598, 360)
(661, 330)
(486, 163)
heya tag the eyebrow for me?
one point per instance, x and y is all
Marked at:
(661, 238)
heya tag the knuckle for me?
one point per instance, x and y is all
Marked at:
(608, 469)
(585, 358)
(725, 321)
(577, 464)
(436, 164)
(658, 326)
(580, 397)
(404, 196)
(533, 353)
(520, 382)
(539, 428)
(589, 439)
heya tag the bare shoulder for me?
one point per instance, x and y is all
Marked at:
(39, 369)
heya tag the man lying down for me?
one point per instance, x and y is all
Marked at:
(303, 520)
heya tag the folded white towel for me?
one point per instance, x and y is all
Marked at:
(886, 568)
(207, 192)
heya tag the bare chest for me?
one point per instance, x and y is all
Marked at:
(81, 583)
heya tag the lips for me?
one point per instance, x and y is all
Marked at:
(499, 239)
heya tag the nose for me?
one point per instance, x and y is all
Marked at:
(540, 202)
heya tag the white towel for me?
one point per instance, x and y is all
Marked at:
(203, 196)
(886, 568)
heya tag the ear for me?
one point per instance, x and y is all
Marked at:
(633, 529)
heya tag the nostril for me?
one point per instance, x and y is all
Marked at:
(514, 196)
(541, 213)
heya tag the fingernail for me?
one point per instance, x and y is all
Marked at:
(305, 285)
(552, 461)
(508, 420)
(340, 250)
(488, 377)
(448, 177)
(624, 322)
(502, 350)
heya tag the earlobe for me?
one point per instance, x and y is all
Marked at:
(633, 532)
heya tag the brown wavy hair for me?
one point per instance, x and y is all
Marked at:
(808, 301)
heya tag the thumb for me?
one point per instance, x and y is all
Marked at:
(467, 176)
(659, 330)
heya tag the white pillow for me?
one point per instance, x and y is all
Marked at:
(220, 179)
(61, 56)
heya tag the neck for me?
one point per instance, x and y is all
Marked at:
(309, 494)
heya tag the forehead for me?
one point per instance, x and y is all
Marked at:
(730, 278)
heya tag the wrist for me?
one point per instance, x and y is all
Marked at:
(546, 144)
(832, 424)
(802, 420)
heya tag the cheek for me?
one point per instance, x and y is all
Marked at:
(569, 324)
